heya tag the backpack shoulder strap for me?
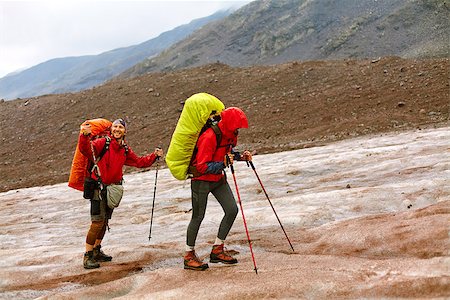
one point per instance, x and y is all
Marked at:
(218, 134)
(92, 166)
(126, 148)
(193, 170)
(105, 148)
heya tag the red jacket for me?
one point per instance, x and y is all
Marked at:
(232, 118)
(112, 162)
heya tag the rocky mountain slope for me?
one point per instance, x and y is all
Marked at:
(273, 32)
(71, 74)
(289, 106)
(260, 33)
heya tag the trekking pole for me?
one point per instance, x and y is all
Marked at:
(154, 196)
(242, 211)
(270, 202)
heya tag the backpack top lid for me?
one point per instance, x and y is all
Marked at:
(98, 126)
(196, 112)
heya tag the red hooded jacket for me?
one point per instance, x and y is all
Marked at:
(232, 118)
(112, 162)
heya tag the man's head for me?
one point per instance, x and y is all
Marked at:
(118, 129)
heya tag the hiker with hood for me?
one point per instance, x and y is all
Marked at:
(109, 171)
(208, 166)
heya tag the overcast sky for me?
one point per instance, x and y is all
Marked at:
(32, 32)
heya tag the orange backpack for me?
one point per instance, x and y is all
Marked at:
(78, 171)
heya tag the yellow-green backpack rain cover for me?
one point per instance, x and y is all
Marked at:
(194, 115)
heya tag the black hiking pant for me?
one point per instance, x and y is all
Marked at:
(222, 192)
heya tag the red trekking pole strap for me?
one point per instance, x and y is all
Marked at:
(242, 212)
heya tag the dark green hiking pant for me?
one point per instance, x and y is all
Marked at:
(200, 191)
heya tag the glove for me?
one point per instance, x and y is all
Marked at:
(247, 155)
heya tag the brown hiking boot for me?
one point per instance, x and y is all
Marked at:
(220, 254)
(192, 262)
(99, 255)
(89, 262)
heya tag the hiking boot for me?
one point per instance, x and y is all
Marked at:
(99, 255)
(192, 262)
(220, 254)
(89, 262)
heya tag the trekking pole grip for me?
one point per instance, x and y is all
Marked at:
(229, 163)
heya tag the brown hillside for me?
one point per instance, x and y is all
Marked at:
(289, 106)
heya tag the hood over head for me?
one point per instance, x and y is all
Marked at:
(233, 118)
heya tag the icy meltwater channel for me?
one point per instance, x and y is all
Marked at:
(43, 228)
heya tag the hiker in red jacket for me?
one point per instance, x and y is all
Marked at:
(114, 154)
(209, 163)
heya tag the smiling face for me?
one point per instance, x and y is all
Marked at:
(118, 130)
